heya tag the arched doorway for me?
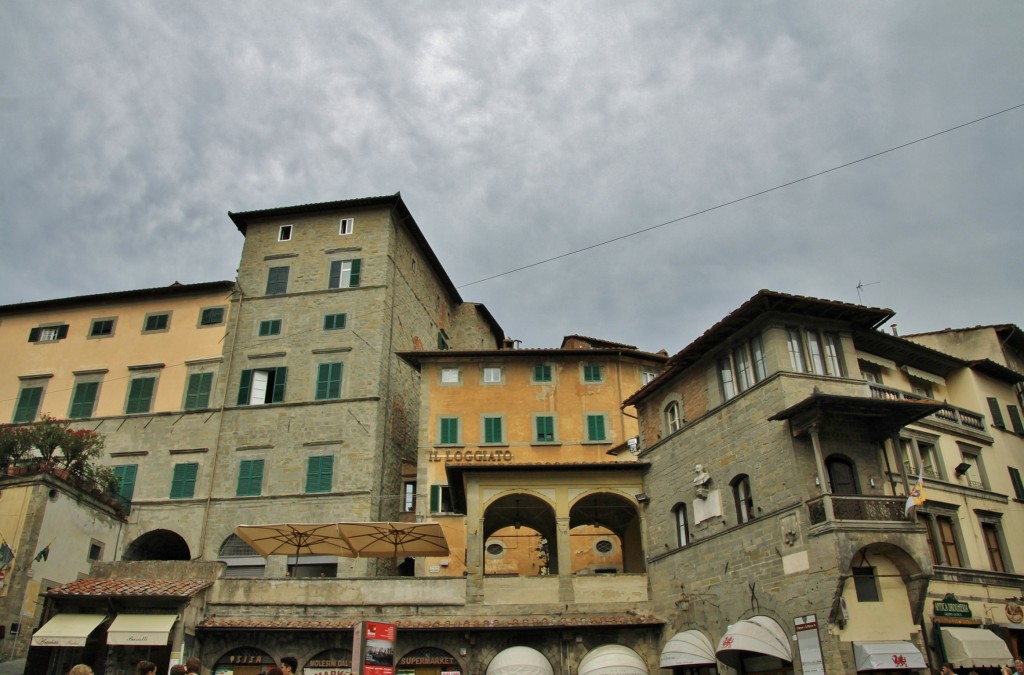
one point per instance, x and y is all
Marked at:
(604, 531)
(842, 475)
(329, 662)
(158, 545)
(244, 661)
(428, 661)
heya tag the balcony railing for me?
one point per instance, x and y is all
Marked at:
(856, 507)
(948, 413)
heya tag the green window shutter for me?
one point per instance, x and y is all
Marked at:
(997, 415)
(334, 278)
(1018, 484)
(542, 372)
(183, 482)
(28, 404)
(435, 498)
(328, 381)
(277, 280)
(595, 427)
(492, 430)
(125, 474)
(62, 332)
(334, 321)
(250, 478)
(245, 387)
(84, 400)
(449, 430)
(591, 373)
(33, 334)
(1015, 421)
(140, 396)
(198, 393)
(319, 473)
(280, 378)
(545, 429)
(353, 279)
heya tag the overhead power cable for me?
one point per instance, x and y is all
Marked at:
(740, 199)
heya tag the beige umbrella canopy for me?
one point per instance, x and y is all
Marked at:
(295, 539)
(393, 540)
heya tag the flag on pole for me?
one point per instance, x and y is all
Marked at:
(916, 496)
(43, 555)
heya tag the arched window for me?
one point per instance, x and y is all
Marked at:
(673, 420)
(842, 476)
(682, 524)
(744, 498)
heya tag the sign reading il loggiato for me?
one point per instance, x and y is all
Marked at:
(951, 607)
(471, 456)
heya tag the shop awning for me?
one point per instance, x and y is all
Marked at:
(141, 629)
(688, 648)
(887, 656)
(974, 648)
(519, 661)
(67, 630)
(758, 634)
(612, 660)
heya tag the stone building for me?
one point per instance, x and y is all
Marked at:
(783, 445)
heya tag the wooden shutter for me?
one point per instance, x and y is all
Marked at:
(1015, 422)
(997, 415)
(183, 484)
(28, 404)
(280, 378)
(353, 279)
(125, 475)
(244, 387)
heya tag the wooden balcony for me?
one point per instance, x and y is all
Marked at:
(948, 414)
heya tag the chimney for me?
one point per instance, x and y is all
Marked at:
(893, 327)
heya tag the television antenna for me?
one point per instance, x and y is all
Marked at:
(860, 287)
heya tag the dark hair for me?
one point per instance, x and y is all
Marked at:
(193, 665)
(178, 669)
(291, 662)
(144, 667)
(274, 670)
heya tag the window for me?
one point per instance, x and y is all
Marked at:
(328, 381)
(197, 392)
(595, 428)
(593, 372)
(796, 351)
(925, 521)
(83, 399)
(277, 280)
(673, 421)
(542, 372)
(545, 428)
(1018, 484)
(865, 583)
(344, 274)
(284, 233)
(48, 333)
(1014, 414)
(409, 496)
(871, 372)
(743, 498)
(997, 415)
(929, 457)
(264, 385)
(492, 375)
(440, 499)
(335, 321)
(347, 226)
(28, 404)
(449, 431)
(250, 478)
(760, 359)
(682, 525)
(921, 388)
(993, 544)
(183, 483)
(319, 473)
(211, 316)
(140, 395)
(725, 379)
(95, 551)
(975, 475)
(270, 327)
(449, 376)
(156, 323)
(493, 430)
(442, 341)
(101, 328)
(125, 475)
(948, 540)
(833, 355)
(646, 377)
(742, 368)
(814, 352)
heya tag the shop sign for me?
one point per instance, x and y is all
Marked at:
(478, 456)
(373, 648)
(951, 607)
(809, 644)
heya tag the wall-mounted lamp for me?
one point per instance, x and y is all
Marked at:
(643, 498)
(817, 481)
(634, 444)
(961, 469)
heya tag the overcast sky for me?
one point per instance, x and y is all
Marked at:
(520, 131)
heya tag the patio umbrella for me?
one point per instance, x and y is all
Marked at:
(294, 539)
(393, 540)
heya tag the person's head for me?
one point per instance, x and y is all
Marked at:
(274, 670)
(193, 665)
(947, 668)
(178, 669)
(145, 668)
(1018, 666)
(289, 664)
(80, 669)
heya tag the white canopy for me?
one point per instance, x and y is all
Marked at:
(67, 630)
(519, 661)
(688, 648)
(612, 660)
(887, 656)
(140, 629)
(974, 648)
(758, 634)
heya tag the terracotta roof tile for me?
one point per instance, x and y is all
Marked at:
(176, 588)
(481, 623)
